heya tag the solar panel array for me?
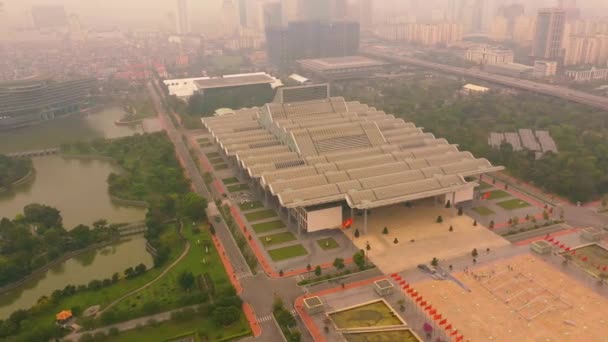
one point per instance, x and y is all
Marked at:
(539, 141)
(338, 150)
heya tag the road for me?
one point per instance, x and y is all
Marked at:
(546, 89)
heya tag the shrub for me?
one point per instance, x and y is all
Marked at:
(474, 253)
(492, 224)
(385, 231)
(318, 271)
(439, 219)
(225, 315)
(451, 229)
(434, 262)
(339, 263)
(460, 211)
(474, 223)
(356, 233)
(396, 241)
(448, 204)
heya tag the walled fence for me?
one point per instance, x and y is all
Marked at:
(35, 153)
(132, 229)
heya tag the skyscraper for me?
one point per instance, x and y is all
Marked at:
(243, 13)
(549, 34)
(183, 25)
(315, 9)
(230, 18)
(366, 13)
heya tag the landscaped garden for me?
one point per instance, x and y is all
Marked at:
(496, 194)
(513, 204)
(376, 314)
(328, 243)
(231, 180)
(260, 215)
(288, 252)
(589, 258)
(403, 335)
(483, 211)
(267, 226)
(275, 239)
(251, 205)
(205, 265)
(237, 187)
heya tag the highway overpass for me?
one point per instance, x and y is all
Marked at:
(600, 102)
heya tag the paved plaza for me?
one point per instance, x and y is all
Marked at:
(520, 299)
(431, 239)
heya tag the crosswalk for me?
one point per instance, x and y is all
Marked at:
(268, 317)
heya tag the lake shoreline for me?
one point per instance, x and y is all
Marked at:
(23, 180)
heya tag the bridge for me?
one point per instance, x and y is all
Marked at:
(132, 229)
(599, 102)
(34, 153)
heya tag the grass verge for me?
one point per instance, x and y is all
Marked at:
(267, 226)
(260, 215)
(288, 252)
(328, 243)
(275, 239)
(513, 204)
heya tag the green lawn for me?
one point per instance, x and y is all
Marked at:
(251, 205)
(260, 215)
(483, 211)
(513, 204)
(167, 331)
(287, 252)
(231, 180)
(375, 314)
(496, 194)
(220, 166)
(237, 187)
(276, 239)
(328, 243)
(212, 154)
(484, 186)
(267, 226)
(167, 291)
(107, 294)
(216, 160)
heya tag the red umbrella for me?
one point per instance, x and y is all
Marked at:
(454, 332)
(567, 249)
(585, 259)
(459, 338)
(398, 278)
(423, 303)
(437, 317)
(418, 299)
(432, 312)
(550, 238)
(562, 246)
(573, 252)
(443, 321)
(428, 307)
(394, 275)
(406, 286)
(605, 268)
(410, 290)
(448, 327)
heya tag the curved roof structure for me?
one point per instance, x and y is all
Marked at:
(326, 150)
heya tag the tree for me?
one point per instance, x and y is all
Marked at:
(385, 231)
(460, 212)
(434, 262)
(448, 204)
(474, 253)
(186, 280)
(492, 224)
(139, 269)
(192, 206)
(474, 223)
(43, 216)
(359, 259)
(339, 263)
(225, 315)
(318, 271)
(439, 219)
(356, 233)
(451, 229)
(129, 273)
(396, 241)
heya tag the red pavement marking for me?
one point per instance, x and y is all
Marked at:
(251, 318)
(556, 234)
(227, 265)
(308, 321)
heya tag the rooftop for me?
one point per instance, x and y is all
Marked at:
(327, 149)
(334, 63)
(233, 81)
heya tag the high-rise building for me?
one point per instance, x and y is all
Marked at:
(366, 13)
(338, 9)
(314, 9)
(243, 13)
(230, 19)
(549, 33)
(49, 17)
(272, 15)
(183, 24)
(420, 33)
(523, 30)
(510, 13)
(311, 39)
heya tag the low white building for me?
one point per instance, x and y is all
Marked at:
(489, 55)
(544, 69)
(592, 74)
(186, 87)
(474, 89)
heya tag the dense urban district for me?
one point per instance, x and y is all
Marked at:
(303, 170)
